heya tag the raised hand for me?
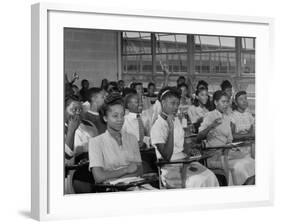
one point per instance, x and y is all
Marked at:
(75, 76)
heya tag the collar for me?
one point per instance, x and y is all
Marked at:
(133, 115)
(93, 112)
(116, 136)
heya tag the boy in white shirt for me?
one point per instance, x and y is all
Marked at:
(137, 122)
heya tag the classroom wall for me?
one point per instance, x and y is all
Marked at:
(90, 53)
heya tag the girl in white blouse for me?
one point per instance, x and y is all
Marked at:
(198, 110)
(243, 122)
(216, 129)
(114, 154)
(167, 136)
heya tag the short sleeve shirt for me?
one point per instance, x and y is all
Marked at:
(160, 132)
(243, 121)
(219, 135)
(105, 152)
(195, 113)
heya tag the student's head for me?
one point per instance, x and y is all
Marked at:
(241, 100)
(128, 90)
(113, 111)
(121, 85)
(85, 84)
(202, 95)
(132, 103)
(221, 101)
(180, 80)
(72, 108)
(104, 84)
(184, 89)
(139, 88)
(170, 99)
(150, 88)
(96, 97)
(227, 87)
(202, 84)
(112, 87)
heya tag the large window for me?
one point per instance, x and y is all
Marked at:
(171, 50)
(136, 52)
(214, 54)
(248, 55)
(200, 56)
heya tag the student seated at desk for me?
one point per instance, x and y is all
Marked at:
(216, 129)
(243, 122)
(96, 99)
(137, 122)
(198, 110)
(115, 153)
(167, 135)
(77, 134)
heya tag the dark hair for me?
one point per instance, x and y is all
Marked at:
(128, 98)
(113, 83)
(218, 95)
(84, 81)
(104, 84)
(92, 92)
(68, 100)
(202, 83)
(168, 92)
(111, 100)
(114, 87)
(137, 84)
(196, 101)
(181, 77)
(225, 84)
(128, 90)
(121, 80)
(150, 84)
(240, 93)
(235, 104)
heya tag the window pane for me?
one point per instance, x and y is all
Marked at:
(170, 43)
(146, 63)
(136, 43)
(248, 43)
(209, 42)
(248, 62)
(227, 43)
(131, 63)
(175, 62)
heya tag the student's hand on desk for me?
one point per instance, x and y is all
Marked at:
(132, 168)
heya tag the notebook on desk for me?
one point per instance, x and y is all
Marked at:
(124, 180)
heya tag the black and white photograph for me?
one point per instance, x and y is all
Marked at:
(152, 111)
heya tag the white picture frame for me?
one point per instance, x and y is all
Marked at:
(48, 201)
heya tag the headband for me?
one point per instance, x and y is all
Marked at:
(240, 93)
(166, 91)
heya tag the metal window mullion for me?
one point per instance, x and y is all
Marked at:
(153, 52)
(238, 47)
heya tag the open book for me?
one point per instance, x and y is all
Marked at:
(124, 180)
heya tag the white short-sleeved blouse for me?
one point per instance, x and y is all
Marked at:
(243, 121)
(219, 135)
(105, 152)
(159, 135)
